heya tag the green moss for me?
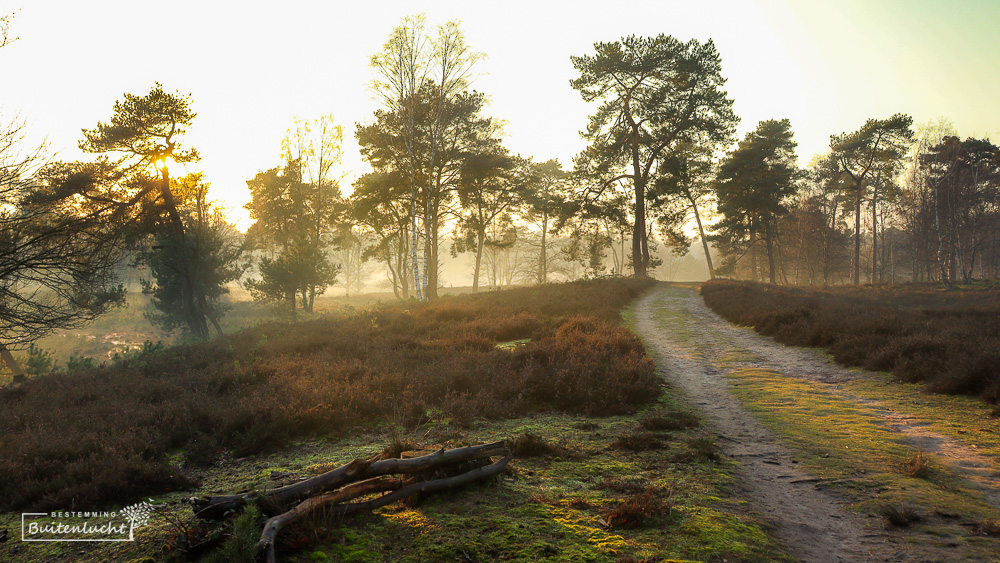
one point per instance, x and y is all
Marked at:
(512, 344)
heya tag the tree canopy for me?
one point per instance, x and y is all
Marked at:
(58, 262)
(655, 93)
(753, 184)
(872, 153)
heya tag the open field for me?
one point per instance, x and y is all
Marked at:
(615, 469)
(949, 340)
(733, 447)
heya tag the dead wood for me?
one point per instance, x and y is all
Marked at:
(424, 487)
(215, 508)
(334, 500)
(265, 547)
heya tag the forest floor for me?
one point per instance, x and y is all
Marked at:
(844, 464)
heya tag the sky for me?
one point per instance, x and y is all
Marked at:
(252, 67)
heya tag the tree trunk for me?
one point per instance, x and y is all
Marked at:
(431, 288)
(194, 318)
(480, 243)
(701, 233)
(940, 251)
(857, 237)
(542, 266)
(875, 277)
(214, 508)
(771, 270)
(265, 547)
(639, 259)
(215, 323)
(8, 359)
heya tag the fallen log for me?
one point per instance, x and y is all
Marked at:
(265, 548)
(215, 508)
(399, 488)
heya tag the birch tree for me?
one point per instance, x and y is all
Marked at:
(413, 60)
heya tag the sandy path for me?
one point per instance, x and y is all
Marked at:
(685, 337)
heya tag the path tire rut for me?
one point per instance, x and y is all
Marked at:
(809, 518)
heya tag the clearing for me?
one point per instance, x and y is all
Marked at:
(844, 464)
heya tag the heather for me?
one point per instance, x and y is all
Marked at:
(138, 425)
(949, 340)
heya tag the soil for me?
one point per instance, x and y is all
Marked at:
(694, 347)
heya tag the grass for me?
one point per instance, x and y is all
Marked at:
(126, 329)
(948, 340)
(554, 506)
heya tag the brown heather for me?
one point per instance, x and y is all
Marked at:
(950, 340)
(106, 435)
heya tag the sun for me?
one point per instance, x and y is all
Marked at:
(160, 162)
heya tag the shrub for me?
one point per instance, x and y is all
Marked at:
(949, 340)
(899, 515)
(533, 445)
(638, 510)
(639, 442)
(917, 465)
(105, 434)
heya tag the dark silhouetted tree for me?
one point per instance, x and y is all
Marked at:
(379, 203)
(420, 78)
(753, 183)
(58, 260)
(964, 178)
(490, 190)
(144, 131)
(545, 196)
(214, 252)
(296, 225)
(463, 131)
(682, 191)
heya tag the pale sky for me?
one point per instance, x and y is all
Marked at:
(252, 67)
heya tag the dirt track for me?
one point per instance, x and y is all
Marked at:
(688, 341)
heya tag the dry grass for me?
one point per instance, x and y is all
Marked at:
(950, 340)
(639, 510)
(899, 515)
(530, 444)
(917, 465)
(106, 435)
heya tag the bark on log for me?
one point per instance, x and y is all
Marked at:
(426, 487)
(215, 508)
(265, 547)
